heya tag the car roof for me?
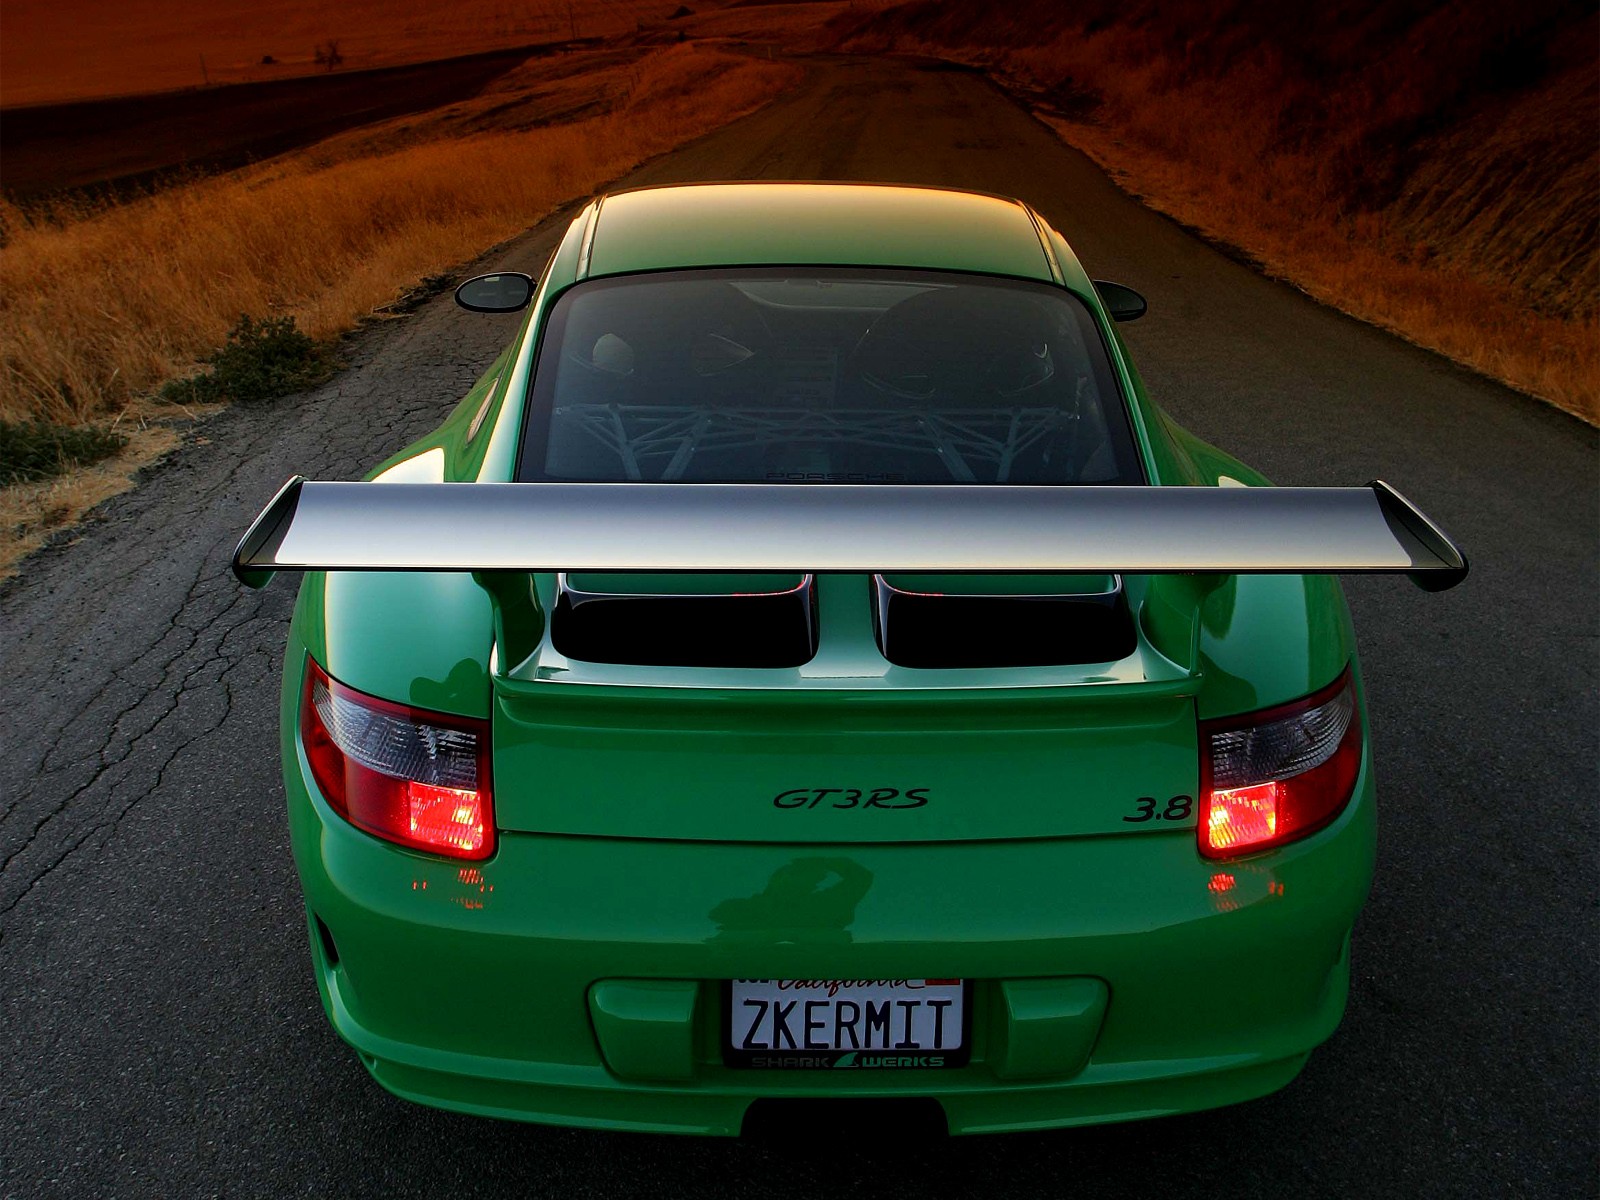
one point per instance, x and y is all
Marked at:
(756, 224)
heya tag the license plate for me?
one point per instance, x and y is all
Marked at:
(865, 1024)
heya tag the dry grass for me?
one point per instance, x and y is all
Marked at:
(1363, 268)
(1427, 167)
(101, 306)
(101, 309)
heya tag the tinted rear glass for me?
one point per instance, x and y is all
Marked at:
(771, 376)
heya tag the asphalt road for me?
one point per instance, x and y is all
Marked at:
(161, 1031)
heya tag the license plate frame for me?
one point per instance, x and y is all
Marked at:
(766, 1059)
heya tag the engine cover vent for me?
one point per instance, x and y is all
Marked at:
(919, 624)
(774, 624)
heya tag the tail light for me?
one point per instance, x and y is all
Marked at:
(1272, 776)
(405, 774)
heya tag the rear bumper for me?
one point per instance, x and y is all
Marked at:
(1089, 1100)
(473, 987)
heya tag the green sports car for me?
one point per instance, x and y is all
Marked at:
(811, 593)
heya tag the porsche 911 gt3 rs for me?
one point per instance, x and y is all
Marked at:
(807, 665)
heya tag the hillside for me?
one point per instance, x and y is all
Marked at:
(1433, 167)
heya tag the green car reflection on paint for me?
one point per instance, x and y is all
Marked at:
(636, 849)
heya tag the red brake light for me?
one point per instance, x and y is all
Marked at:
(405, 774)
(1273, 776)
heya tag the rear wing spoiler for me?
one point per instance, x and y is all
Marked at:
(866, 528)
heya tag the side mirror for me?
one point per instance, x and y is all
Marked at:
(505, 293)
(1122, 302)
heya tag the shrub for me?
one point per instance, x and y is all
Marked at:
(35, 450)
(263, 360)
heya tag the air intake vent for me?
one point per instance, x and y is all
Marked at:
(1085, 621)
(736, 621)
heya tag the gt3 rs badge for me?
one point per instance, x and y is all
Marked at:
(882, 797)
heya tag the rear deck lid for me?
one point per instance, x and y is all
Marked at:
(862, 765)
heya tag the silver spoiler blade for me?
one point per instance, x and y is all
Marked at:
(733, 527)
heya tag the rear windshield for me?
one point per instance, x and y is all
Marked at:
(847, 376)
